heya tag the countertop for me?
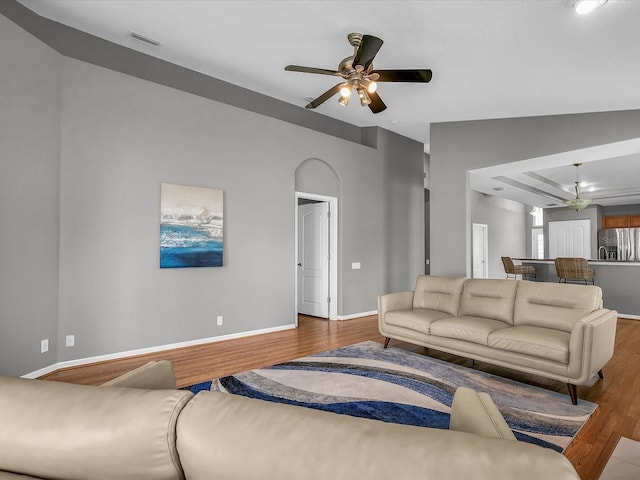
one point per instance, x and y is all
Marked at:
(591, 262)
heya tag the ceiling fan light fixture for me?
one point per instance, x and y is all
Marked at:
(364, 97)
(344, 101)
(577, 203)
(371, 85)
(345, 91)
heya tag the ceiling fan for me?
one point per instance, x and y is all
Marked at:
(360, 76)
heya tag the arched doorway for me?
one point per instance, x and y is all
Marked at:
(317, 188)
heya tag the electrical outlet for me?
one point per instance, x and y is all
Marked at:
(219, 320)
(70, 340)
(44, 345)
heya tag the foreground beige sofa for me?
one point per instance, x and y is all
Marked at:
(555, 330)
(51, 430)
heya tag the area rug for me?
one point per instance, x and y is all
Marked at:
(393, 385)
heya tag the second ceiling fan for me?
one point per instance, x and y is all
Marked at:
(359, 75)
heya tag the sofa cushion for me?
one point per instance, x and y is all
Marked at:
(489, 299)
(438, 293)
(471, 329)
(555, 305)
(230, 436)
(419, 319)
(539, 342)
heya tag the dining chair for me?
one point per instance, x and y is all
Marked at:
(523, 270)
(574, 269)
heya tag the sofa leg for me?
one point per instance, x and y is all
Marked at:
(386, 341)
(601, 374)
(573, 393)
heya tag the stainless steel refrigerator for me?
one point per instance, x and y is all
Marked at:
(621, 244)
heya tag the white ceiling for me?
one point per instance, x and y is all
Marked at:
(490, 58)
(608, 174)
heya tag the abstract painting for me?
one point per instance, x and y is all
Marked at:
(191, 226)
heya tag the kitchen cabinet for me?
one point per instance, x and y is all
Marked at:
(621, 221)
(615, 222)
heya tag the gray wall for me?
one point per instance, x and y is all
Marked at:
(29, 197)
(427, 236)
(614, 210)
(122, 137)
(404, 228)
(457, 147)
(506, 227)
(110, 140)
(387, 211)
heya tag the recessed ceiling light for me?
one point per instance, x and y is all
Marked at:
(582, 7)
(394, 122)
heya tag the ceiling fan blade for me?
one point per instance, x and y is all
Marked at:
(416, 76)
(367, 50)
(376, 105)
(324, 97)
(321, 71)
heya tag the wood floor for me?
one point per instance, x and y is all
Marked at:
(618, 395)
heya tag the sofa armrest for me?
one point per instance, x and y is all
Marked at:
(16, 476)
(475, 412)
(592, 343)
(152, 376)
(78, 432)
(395, 301)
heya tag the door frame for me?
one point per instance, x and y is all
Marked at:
(485, 236)
(333, 250)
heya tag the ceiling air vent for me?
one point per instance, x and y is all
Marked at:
(143, 39)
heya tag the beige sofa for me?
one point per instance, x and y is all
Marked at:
(52, 430)
(555, 330)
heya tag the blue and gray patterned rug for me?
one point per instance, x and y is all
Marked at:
(393, 385)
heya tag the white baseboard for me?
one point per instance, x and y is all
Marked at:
(632, 317)
(357, 315)
(143, 351)
(42, 371)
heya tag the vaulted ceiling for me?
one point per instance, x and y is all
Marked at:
(490, 59)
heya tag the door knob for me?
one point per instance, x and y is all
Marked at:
(299, 264)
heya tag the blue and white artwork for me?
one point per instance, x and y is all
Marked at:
(191, 226)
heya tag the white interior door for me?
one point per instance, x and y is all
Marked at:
(480, 251)
(570, 238)
(313, 259)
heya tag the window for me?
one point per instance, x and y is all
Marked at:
(537, 237)
(537, 216)
(537, 243)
